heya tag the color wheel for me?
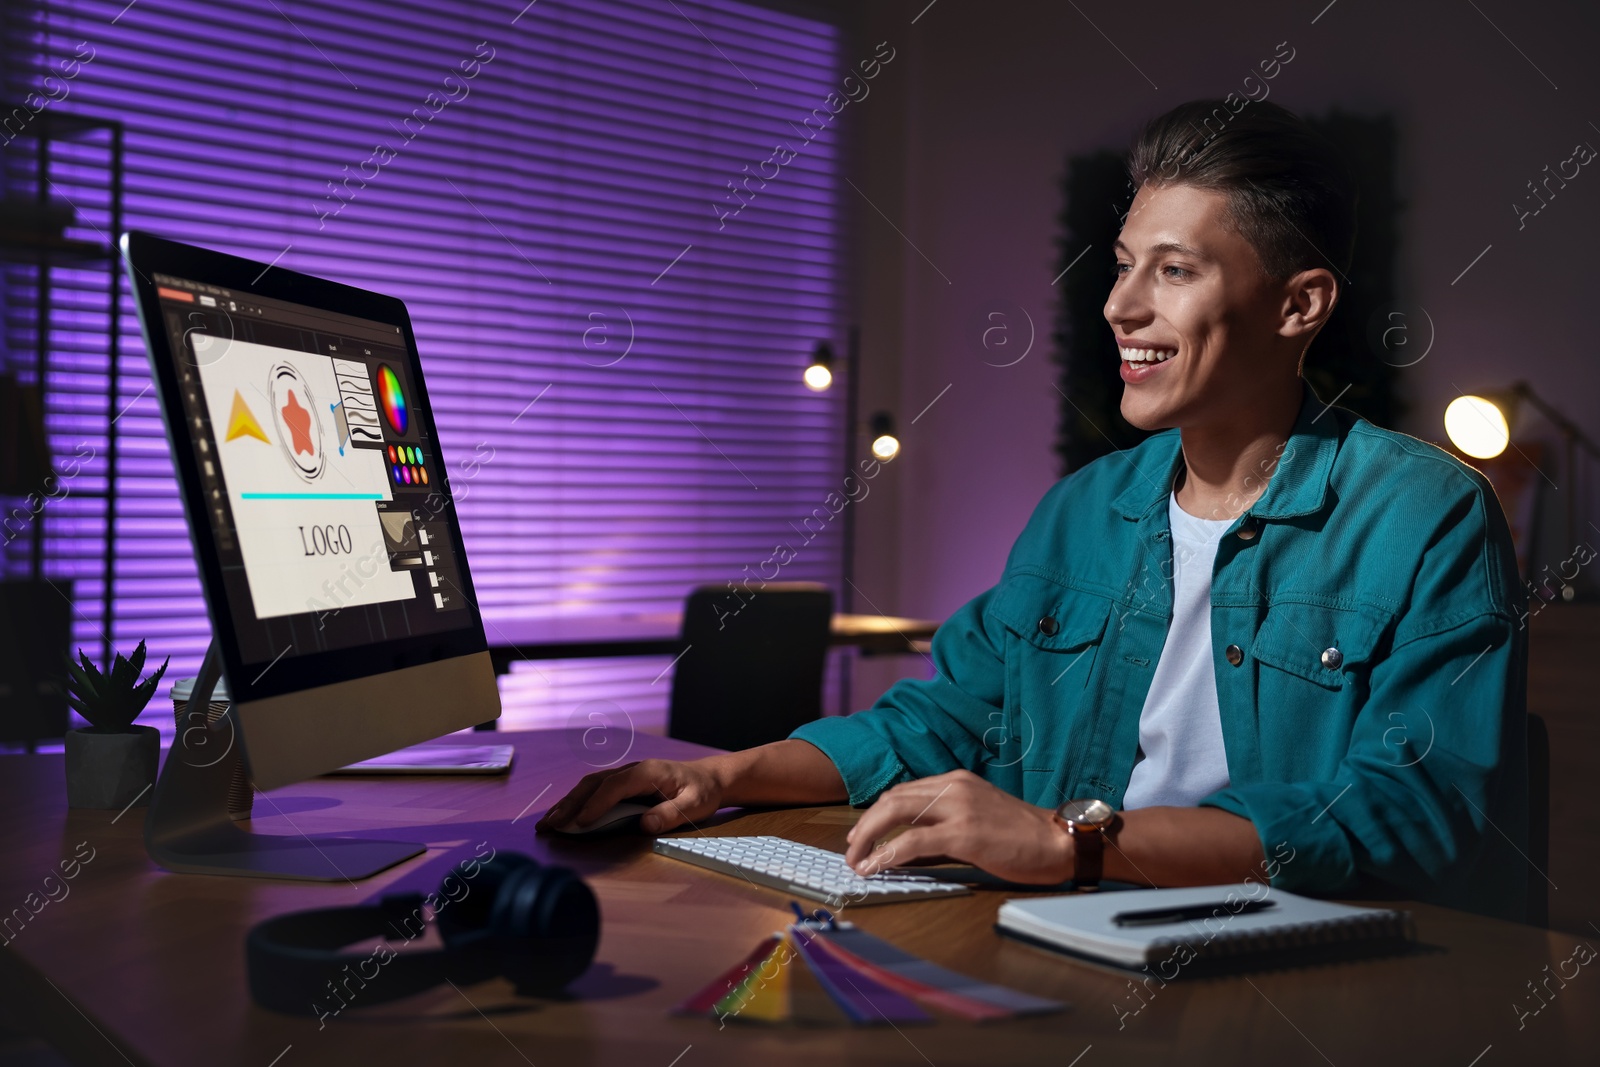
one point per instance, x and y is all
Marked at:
(393, 398)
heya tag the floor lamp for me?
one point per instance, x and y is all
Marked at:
(885, 445)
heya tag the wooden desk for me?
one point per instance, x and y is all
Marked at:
(137, 966)
(656, 634)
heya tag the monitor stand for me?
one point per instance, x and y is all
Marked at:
(188, 830)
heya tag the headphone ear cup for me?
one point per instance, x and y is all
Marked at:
(546, 922)
(473, 913)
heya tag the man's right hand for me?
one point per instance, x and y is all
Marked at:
(687, 793)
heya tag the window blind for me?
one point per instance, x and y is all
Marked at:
(612, 350)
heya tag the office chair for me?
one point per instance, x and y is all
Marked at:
(1538, 821)
(752, 669)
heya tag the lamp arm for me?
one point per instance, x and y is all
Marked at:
(1568, 428)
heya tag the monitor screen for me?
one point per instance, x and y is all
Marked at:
(308, 447)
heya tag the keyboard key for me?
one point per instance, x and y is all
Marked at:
(803, 870)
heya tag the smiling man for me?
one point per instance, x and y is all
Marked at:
(1273, 640)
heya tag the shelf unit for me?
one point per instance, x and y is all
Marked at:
(53, 153)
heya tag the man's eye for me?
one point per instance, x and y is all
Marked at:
(1175, 272)
(1118, 268)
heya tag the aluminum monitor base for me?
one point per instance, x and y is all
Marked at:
(188, 830)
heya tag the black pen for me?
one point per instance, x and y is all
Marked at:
(1156, 916)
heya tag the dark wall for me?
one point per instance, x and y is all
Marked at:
(998, 96)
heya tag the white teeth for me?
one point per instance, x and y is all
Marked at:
(1147, 355)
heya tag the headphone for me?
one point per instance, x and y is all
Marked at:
(538, 926)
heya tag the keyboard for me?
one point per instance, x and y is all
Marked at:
(804, 870)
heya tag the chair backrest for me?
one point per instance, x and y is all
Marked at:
(752, 670)
(1538, 821)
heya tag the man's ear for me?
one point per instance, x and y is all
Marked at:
(1308, 299)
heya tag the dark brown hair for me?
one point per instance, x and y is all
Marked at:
(1289, 192)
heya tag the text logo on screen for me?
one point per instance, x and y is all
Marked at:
(294, 410)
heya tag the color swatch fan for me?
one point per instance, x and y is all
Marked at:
(821, 971)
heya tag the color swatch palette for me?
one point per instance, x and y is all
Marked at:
(407, 465)
(820, 971)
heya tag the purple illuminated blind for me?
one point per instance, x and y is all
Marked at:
(615, 368)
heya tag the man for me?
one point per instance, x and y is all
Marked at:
(1275, 640)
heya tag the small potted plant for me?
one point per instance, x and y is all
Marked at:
(111, 763)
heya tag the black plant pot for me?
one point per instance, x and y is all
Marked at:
(111, 768)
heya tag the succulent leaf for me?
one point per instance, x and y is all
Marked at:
(146, 689)
(112, 700)
(88, 674)
(81, 680)
(122, 673)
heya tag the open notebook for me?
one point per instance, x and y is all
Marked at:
(1210, 926)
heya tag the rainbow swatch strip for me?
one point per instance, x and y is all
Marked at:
(822, 972)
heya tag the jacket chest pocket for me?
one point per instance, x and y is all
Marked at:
(1332, 647)
(1314, 680)
(1053, 639)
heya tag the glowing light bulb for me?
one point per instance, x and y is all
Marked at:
(1477, 427)
(818, 378)
(886, 446)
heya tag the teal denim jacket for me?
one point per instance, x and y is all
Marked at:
(1369, 645)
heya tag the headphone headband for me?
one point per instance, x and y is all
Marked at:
(540, 927)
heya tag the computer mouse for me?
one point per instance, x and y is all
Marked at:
(623, 816)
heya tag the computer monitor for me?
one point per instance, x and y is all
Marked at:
(342, 609)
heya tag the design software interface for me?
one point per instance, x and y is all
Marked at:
(325, 494)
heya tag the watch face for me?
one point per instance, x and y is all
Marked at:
(1087, 813)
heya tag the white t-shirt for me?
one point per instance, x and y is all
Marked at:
(1180, 726)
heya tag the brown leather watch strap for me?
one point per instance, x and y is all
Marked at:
(1089, 846)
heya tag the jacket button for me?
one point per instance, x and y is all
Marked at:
(1048, 626)
(1247, 530)
(1331, 658)
(1235, 654)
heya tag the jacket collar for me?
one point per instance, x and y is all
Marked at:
(1298, 486)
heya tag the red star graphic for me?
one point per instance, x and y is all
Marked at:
(298, 419)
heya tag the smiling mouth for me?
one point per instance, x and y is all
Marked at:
(1147, 356)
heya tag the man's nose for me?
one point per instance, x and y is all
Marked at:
(1128, 302)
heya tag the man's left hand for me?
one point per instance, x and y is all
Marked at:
(961, 817)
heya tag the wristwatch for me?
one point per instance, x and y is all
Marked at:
(1088, 821)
